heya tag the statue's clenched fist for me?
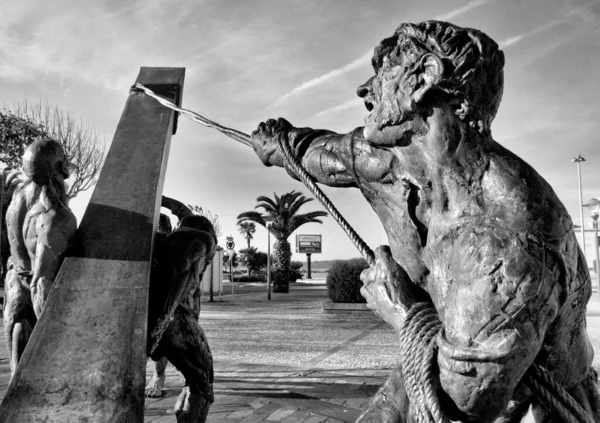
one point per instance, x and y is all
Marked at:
(387, 288)
(264, 140)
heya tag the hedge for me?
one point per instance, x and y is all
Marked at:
(343, 281)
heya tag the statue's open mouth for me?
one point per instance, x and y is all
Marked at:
(369, 105)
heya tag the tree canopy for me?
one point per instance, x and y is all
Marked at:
(23, 123)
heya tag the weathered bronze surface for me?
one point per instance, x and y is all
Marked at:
(86, 357)
(180, 258)
(39, 227)
(472, 228)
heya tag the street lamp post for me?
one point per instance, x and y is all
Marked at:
(268, 218)
(594, 208)
(578, 160)
(230, 253)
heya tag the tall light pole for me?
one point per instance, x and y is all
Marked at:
(268, 218)
(231, 253)
(578, 160)
(594, 208)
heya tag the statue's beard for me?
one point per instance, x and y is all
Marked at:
(388, 124)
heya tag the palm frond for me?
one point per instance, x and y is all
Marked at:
(284, 209)
(251, 216)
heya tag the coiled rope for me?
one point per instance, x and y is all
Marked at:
(422, 325)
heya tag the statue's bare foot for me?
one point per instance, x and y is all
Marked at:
(154, 387)
(191, 407)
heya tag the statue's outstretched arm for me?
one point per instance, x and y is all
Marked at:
(329, 157)
(176, 207)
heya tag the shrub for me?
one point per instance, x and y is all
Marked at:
(296, 271)
(343, 281)
(254, 260)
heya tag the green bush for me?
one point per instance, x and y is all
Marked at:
(296, 271)
(343, 281)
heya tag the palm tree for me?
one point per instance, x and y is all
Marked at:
(247, 230)
(286, 220)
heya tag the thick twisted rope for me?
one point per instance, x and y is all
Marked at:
(554, 397)
(310, 183)
(417, 352)
(231, 133)
(417, 336)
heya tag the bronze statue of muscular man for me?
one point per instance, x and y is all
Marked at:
(40, 226)
(473, 229)
(154, 387)
(174, 334)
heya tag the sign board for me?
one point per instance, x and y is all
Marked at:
(229, 243)
(308, 243)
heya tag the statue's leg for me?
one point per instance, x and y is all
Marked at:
(154, 387)
(184, 344)
(19, 317)
(390, 403)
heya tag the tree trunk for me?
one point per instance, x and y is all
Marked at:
(282, 258)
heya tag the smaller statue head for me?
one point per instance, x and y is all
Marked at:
(164, 224)
(45, 160)
(426, 62)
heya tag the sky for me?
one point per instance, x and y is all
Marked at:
(248, 61)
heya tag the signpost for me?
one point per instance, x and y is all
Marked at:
(308, 244)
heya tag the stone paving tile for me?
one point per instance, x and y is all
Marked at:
(356, 355)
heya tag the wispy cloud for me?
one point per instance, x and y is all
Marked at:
(515, 39)
(326, 77)
(100, 44)
(462, 10)
(344, 106)
(360, 61)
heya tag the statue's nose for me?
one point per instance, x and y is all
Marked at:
(364, 89)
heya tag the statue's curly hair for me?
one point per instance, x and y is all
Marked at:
(473, 64)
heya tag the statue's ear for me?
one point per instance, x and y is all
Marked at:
(432, 70)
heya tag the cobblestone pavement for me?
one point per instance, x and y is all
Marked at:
(285, 360)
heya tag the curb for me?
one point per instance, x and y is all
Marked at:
(331, 307)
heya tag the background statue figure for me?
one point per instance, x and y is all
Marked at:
(154, 387)
(474, 232)
(40, 226)
(174, 334)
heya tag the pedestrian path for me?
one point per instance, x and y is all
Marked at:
(271, 393)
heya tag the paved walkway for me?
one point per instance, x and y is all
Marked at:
(285, 360)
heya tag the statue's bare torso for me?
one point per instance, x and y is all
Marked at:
(40, 227)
